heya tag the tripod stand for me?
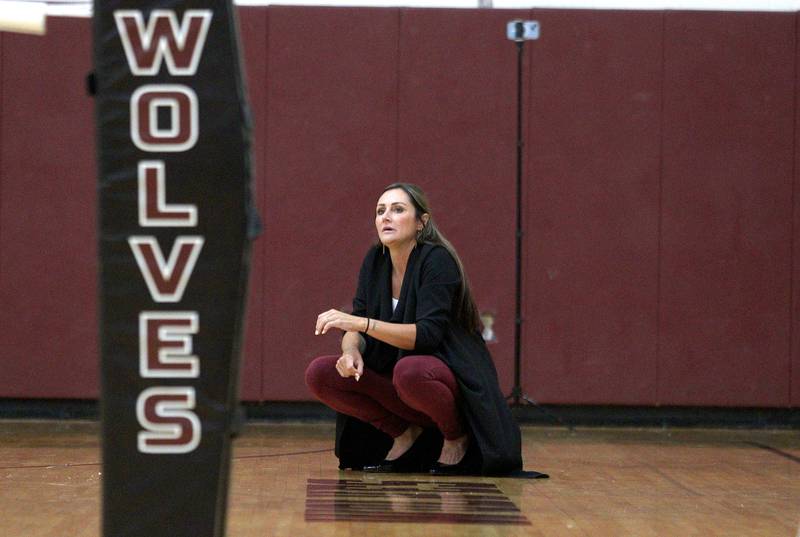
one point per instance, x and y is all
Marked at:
(517, 395)
(521, 31)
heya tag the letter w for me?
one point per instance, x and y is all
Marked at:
(162, 39)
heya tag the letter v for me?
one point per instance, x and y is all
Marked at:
(166, 280)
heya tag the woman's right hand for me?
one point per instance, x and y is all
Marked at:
(350, 364)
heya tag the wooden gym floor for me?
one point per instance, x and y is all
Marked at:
(604, 482)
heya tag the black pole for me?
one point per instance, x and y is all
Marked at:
(517, 396)
(517, 390)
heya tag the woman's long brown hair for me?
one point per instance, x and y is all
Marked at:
(466, 314)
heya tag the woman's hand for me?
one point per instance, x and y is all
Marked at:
(350, 364)
(341, 320)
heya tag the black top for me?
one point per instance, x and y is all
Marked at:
(427, 297)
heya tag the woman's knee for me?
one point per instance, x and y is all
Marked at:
(318, 371)
(409, 372)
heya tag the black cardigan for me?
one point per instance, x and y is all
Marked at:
(430, 286)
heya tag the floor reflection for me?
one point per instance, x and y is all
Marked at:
(378, 500)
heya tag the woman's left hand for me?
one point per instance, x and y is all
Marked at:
(341, 320)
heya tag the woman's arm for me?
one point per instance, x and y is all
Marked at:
(402, 336)
(353, 341)
(351, 363)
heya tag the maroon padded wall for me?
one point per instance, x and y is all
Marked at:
(253, 28)
(659, 207)
(48, 254)
(795, 327)
(727, 208)
(47, 283)
(591, 199)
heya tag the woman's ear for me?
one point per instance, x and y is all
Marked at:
(425, 218)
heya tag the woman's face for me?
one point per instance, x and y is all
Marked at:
(396, 218)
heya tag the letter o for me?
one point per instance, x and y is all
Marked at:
(181, 101)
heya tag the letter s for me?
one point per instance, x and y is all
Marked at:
(166, 414)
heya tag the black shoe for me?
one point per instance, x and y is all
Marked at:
(466, 466)
(412, 461)
(463, 467)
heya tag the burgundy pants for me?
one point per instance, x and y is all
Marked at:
(421, 391)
